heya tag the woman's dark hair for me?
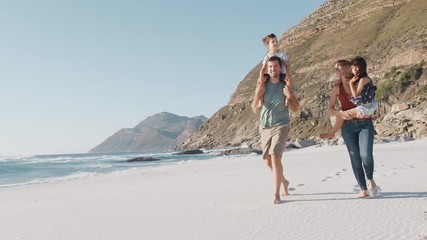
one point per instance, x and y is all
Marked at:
(361, 63)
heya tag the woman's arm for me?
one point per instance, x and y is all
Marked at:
(333, 99)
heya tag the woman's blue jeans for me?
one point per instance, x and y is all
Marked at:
(359, 139)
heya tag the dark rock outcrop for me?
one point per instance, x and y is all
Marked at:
(241, 151)
(301, 143)
(189, 152)
(142, 159)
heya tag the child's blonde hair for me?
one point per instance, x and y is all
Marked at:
(268, 37)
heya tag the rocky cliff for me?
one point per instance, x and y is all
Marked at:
(159, 132)
(391, 35)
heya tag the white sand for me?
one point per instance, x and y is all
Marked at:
(230, 198)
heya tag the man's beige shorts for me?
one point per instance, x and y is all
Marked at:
(273, 140)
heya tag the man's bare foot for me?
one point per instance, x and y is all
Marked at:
(286, 188)
(328, 135)
(363, 194)
(277, 200)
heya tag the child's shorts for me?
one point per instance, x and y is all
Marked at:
(368, 108)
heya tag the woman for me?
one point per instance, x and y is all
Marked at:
(358, 134)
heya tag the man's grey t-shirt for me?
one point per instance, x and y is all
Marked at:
(274, 112)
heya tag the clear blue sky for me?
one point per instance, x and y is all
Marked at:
(73, 73)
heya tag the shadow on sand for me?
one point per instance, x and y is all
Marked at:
(337, 196)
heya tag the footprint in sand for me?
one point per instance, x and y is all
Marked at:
(325, 179)
(301, 184)
(292, 189)
(385, 174)
(421, 236)
(344, 169)
(356, 188)
(338, 173)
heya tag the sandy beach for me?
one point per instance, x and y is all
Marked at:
(230, 198)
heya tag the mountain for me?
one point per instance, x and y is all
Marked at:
(159, 132)
(390, 34)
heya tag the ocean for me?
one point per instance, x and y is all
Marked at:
(39, 169)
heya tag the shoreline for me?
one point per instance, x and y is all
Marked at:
(230, 198)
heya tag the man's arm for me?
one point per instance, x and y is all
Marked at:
(262, 71)
(291, 98)
(259, 93)
(263, 68)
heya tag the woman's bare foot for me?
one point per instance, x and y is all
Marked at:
(363, 194)
(286, 188)
(374, 190)
(371, 184)
(328, 135)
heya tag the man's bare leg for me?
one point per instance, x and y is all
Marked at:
(278, 177)
(284, 181)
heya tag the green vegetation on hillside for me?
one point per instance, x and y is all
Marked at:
(398, 79)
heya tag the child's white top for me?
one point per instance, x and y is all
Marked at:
(280, 54)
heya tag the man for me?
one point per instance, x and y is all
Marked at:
(277, 97)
